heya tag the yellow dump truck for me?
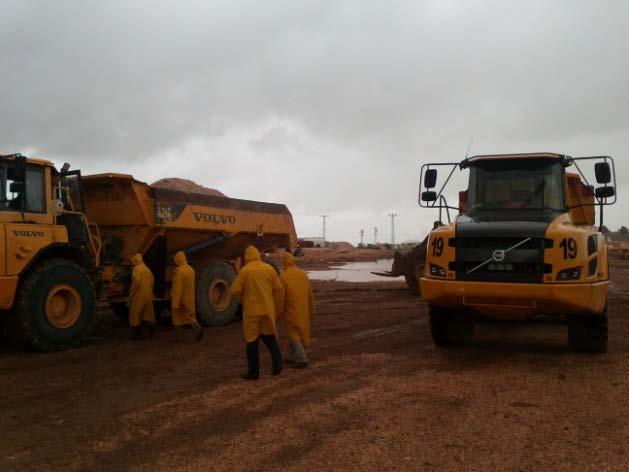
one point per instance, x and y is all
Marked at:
(524, 244)
(66, 241)
(213, 231)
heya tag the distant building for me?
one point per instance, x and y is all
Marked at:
(311, 242)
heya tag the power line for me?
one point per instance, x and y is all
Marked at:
(362, 237)
(392, 215)
(375, 235)
(323, 217)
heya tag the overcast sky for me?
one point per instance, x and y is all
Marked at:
(327, 106)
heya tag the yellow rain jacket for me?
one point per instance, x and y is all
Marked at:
(259, 288)
(182, 292)
(297, 300)
(141, 293)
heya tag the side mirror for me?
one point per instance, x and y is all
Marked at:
(430, 179)
(429, 195)
(603, 172)
(604, 192)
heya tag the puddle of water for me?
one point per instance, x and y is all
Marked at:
(356, 272)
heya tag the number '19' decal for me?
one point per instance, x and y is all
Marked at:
(569, 246)
(437, 247)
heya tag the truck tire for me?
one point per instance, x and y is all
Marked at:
(215, 305)
(450, 328)
(55, 305)
(588, 333)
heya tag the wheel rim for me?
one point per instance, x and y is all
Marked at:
(219, 294)
(63, 306)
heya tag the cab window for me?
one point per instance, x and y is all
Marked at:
(10, 190)
(35, 190)
(29, 196)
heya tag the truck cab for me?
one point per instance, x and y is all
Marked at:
(524, 244)
(48, 254)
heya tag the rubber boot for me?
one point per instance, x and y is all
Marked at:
(199, 330)
(151, 329)
(253, 362)
(301, 360)
(270, 341)
(136, 333)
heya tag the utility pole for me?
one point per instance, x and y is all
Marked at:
(362, 237)
(323, 217)
(375, 235)
(392, 215)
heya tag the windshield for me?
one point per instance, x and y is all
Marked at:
(516, 184)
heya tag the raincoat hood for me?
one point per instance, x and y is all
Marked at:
(251, 254)
(180, 258)
(136, 259)
(288, 260)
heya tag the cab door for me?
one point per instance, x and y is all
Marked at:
(28, 225)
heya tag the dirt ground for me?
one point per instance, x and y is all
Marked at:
(377, 396)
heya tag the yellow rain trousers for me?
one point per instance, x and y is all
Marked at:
(141, 293)
(182, 293)
(259, 288)
(297, 301)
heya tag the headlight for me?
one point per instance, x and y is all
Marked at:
(437, 270)
(574, 273)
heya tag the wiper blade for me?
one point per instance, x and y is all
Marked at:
(533, 195)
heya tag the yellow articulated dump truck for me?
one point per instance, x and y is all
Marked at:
(66, 242)
(212, 231)
(524, 244)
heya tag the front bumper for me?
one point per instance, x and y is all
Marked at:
(516, 300)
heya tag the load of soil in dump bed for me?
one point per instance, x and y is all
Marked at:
(183, 185)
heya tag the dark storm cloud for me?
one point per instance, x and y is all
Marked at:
(356, 92)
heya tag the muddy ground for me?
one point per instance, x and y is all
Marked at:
(378, 396)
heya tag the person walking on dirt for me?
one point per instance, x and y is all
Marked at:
(298, 306)
(258, 287)
(182, 298)
(141, 311)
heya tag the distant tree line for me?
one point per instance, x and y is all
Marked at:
(621, 234)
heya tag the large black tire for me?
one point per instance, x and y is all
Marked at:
(220, 308)
(450, 328)
(588, 333)
(55, 305)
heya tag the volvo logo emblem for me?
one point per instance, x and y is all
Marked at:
(498, 255)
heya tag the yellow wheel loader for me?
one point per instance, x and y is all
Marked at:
(523, 245)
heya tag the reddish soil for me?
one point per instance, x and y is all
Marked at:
(377, 396)
(174, 183)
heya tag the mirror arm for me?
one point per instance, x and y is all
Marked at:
(445, 183)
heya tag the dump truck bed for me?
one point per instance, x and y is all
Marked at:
(135, 213)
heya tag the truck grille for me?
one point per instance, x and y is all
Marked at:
(524, 264)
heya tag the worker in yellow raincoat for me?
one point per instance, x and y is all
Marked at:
(182, 296)
(298, 306)
(258, 287)
(141, 311)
